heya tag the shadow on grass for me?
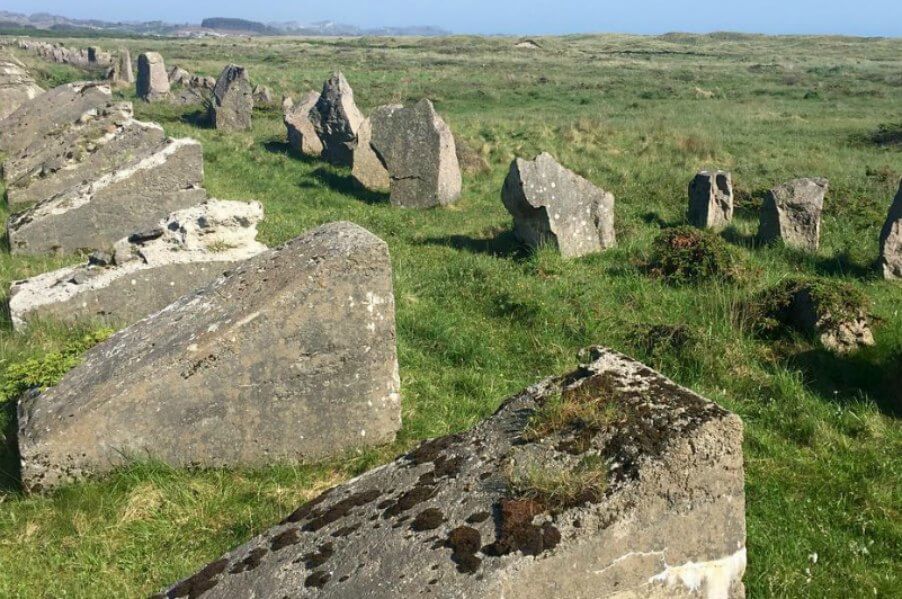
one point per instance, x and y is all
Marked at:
(284, 148)
(842, 264)
(346, 185)
(654, 218)
(10, 473)
(502, 245)
(736, 237)
(846, 378)
(198, 118)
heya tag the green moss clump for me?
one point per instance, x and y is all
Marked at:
(835, 302)
(47, 370)
(688, 255)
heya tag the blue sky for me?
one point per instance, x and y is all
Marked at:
(862, 17)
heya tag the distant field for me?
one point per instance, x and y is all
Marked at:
(479, 319)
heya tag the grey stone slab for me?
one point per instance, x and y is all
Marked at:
(96, 214)
(891, 240)
(98, 144)
(291, 356)
(16, 85)
(336, 120)
(711, 200)
(152, 84)
(302, 135)
(233, 101)
(417, 147)
(791, 213)
(667, 518)
(552, 205)
(193, 248)
(54, 108)
(369, 171)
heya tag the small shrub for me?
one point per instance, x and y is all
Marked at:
(47, 370)
(688, 255)
(888, 134)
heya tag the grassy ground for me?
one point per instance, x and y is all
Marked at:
(478, 318)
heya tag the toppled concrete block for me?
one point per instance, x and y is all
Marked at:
(54, 108)
(153, 80)
(291, 356)
(95, 145)
(369, 170)
(418, 150)
(336, 120)
(711, 200)
(636, 492)
(233, 101)
(96, 214)
(147, 272)
(555, 206)
(302, 134)
(791, 212)
(891, 240)
(16, 86)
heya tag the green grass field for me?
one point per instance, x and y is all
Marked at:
(478, 318)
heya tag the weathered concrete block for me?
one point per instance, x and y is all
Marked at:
(369, 170)
(100, 142)
(650, 504)
(891, 240)
(147, 272)
(302, 134)
(417, 148)
(233, 101)
(263, 96)
(291, 356)
(179, 76)
(336, 120)
(122, 73)
(555, 206)
(54, 108)
(711, 200)
(791, 212)
(153, 80)
(96, 214)
(16, 86)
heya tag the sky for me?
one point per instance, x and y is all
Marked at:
(517, 17)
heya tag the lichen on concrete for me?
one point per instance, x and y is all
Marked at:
(443, 521)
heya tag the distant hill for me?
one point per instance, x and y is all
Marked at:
(238, 26)
(48, 24)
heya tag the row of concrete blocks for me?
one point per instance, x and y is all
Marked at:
(91, 57)
(790, 213)
(411, 153)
